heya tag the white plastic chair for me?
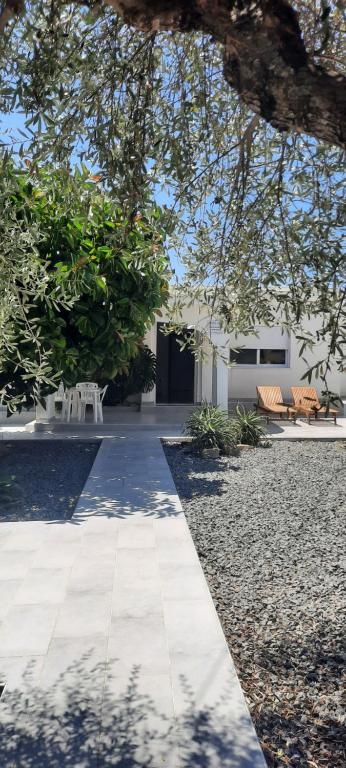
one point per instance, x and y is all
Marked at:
(72, 404)
(100, 396)
(60, 396)
(91, 394)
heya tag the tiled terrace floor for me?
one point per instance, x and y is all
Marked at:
(322, 429)
(110, 646)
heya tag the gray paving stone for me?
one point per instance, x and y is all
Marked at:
(135, 598)
(59, 554)
(92, 573)
(20, 672)
(83, 614)
(155, 689)
(207, 740)
(14, 564)
(181, 581)
(5, 534)
(136, 534)
(141, 706)
(47, 735)
(177, 550)
(136, 565)
(88, 519)
(76, 658)
(208, 681)
(24, 540)
(57, 714)
(8, 591)
(192, 627)
(140, 642)
(43, 586)
(99, 542)
(61, 532)
(172, 528)
(27, 629)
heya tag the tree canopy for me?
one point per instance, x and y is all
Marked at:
(266, 55)
(79, 283)
(278, 60)
(255, 212)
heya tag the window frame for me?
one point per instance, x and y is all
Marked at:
(244, 365)
(264, 366)
(273, 365)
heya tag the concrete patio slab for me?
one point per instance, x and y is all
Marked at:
(132, 665)
(321, 429)
(20, 673)
(43, 586)
(26, 630)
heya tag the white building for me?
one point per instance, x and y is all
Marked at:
(271, 357)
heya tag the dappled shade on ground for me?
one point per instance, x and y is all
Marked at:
(43, 480)
(79, 720)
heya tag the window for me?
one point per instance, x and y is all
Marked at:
(272, 357)
(244, 357)
(259, 357)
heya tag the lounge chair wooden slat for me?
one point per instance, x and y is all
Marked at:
(269, 400)
(306, 401)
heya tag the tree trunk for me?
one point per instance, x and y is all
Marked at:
(265, 59)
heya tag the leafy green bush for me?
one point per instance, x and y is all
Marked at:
(210, 427)
(247, 427)
(110, 265)
(141, 377)
(330, 400)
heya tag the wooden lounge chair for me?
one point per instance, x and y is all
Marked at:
(269, 400)
(306, 401)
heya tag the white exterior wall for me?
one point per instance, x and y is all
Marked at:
(242, 380)
(343, 385)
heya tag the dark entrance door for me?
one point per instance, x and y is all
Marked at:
(175, 370)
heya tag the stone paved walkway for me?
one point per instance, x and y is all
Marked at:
(110, 646)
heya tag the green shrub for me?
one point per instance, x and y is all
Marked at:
(210, 427)
(111, 266)
(330, 400)
(141, 377)
(247, 427)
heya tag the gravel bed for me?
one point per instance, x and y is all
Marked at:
(269, 528)
(43, 480)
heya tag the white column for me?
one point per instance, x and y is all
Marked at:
(220, 367)
(221, 381)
